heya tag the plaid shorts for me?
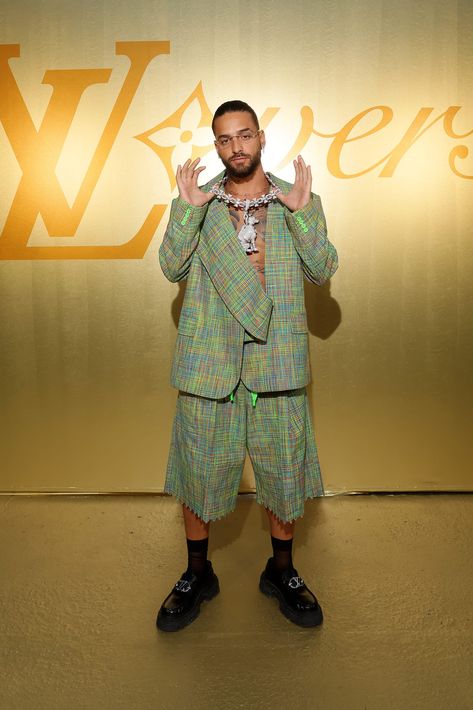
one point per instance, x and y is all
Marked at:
(208, 449)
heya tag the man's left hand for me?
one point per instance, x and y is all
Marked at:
(299, 196)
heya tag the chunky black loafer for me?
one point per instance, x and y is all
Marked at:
(296, 601)
(182, 605)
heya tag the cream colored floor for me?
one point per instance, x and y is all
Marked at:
(83, 577)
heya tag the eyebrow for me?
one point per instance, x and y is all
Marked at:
(242, 130)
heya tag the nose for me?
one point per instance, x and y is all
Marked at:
(235, 146)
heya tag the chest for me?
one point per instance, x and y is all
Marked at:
(259, 218)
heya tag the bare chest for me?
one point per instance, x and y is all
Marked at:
(256, 259)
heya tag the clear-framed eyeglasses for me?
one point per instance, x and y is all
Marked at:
(244, 137)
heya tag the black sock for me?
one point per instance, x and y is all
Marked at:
(282, 554)
(197, 556)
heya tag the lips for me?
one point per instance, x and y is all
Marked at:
(238, 158)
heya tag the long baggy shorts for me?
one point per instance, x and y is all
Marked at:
(210, 438)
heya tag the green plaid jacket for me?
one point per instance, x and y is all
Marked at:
(230, 327)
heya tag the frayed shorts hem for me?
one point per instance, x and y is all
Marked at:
(211, 439)
(218, 515)
(205, 517)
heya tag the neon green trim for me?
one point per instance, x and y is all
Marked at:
(232, 397)
(186, 216)
(254, 397)
(302, 224)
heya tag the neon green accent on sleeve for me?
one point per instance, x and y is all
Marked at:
(254, 397)
(232, 397)
(186, 216)
(302, 223)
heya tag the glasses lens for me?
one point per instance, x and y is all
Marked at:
(244, 137)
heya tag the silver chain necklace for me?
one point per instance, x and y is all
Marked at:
(247, 234)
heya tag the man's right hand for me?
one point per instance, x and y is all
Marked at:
(186, 178)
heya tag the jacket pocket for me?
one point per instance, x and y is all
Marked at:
(187, 325)
(299, 323)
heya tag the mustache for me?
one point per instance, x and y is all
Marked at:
(240, 155)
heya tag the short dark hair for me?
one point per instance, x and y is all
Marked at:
(230, 107)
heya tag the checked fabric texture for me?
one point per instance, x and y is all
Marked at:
(236, 339)
(209, 443)
(225, 305)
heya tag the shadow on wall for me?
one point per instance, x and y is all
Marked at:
(178, 301)
(323, 312)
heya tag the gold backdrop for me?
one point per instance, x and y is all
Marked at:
(99, 101)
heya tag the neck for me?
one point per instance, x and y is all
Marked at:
(253, 184)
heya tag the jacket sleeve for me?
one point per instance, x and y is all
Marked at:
(309, 234)
(180, 239)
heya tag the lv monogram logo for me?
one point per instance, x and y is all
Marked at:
(38, 152)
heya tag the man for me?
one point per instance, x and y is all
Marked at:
(244, 241)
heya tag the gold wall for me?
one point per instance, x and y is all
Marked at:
(99, 101)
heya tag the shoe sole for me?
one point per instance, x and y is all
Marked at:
(165, 623)
(301, 618)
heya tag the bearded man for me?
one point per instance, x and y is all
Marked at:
(244, 242)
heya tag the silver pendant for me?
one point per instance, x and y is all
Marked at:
(247, 234)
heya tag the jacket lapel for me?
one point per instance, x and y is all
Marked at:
(278, 247)
(270, 234)
(231, 273)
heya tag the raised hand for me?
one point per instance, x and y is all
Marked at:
(299, 196)
(186, 178)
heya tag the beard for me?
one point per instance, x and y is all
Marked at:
(242, 171)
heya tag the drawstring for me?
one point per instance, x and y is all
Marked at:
(254, 397)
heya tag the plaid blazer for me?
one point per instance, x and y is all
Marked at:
(230, 327)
